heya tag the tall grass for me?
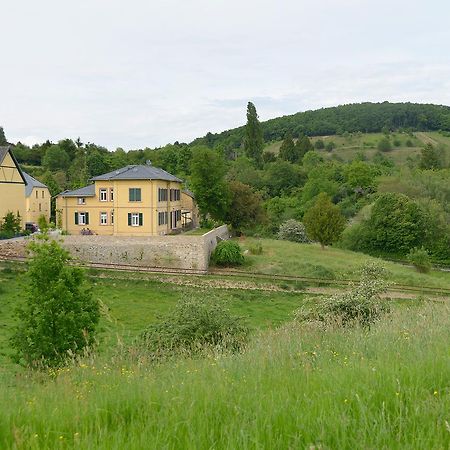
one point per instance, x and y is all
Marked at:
(295, 387)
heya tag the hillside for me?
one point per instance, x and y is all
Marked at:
(352, 118)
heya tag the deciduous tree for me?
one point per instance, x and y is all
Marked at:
(323, 221)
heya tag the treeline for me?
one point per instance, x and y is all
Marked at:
(362, 117)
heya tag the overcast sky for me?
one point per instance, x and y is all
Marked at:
(140, 73)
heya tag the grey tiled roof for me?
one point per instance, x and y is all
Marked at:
(137, 173)
(86, 191)
(188, 192)
(3, 151)
(32, 183)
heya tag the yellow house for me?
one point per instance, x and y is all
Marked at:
(37, 199)
(136, 200)
(189, 209)
(12, 185)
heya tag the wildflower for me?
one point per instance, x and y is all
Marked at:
(397, 394)
(345, 400)
(435, 393)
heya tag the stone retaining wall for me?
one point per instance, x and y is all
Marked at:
(180, 252)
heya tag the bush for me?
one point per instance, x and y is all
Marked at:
(255, 248)
(195, 325)
(319, 145)
(293, 230)
(10, 224)
(384, 145)
(330, 146)
(227, 253)
(420, 259)
(42, 223)
(409, 143)
(361, 305)
(60, 315)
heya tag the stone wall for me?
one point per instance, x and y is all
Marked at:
(181, 252)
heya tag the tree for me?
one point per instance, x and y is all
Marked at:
(60, 315)
(281, 176)
(429, 158)
(303, 146)
(208, 183)
(253, 140)
(245, 207)
(323, 221)
(288, 150)
(55, 158)
(97, 163)
(3, 140)
(54, 189)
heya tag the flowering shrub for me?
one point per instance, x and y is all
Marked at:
(362, 304)
(293, 230)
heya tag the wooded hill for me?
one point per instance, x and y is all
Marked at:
(362, 117)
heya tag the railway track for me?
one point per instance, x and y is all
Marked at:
(233, 273)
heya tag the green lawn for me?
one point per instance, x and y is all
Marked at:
(309, 260)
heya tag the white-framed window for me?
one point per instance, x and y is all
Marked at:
(111, 194)
(103, 195)
(112, 217)
(103, 218)
(135, 219)
(81, 201)
(81, 218)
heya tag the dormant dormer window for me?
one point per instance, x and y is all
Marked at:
(103, 195)
(81, 201)
(111, 195)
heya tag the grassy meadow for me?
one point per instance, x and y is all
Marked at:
(348, 147)
(309, 260)
(294, 387)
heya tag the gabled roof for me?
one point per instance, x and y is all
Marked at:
(3, 151)
(135, 172)
(32, 183)
(86, 191)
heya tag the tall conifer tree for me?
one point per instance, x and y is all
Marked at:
(253, 141)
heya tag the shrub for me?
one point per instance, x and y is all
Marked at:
(10, 224)
(319, 145)
(60, 315)
(42, 223)
(361, 305)
(195, 325)
(330, 146)
(384, 145)
(227, 253)
(293, 230)
(255, 248)
(420, 259)
(409, 143)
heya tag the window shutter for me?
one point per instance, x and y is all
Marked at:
(76, 218)
(140, 219)
(138, 195)
(87, 218)
(129, 219)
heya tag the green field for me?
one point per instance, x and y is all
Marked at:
(308, 260)
(294, 386)
(348, 147)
